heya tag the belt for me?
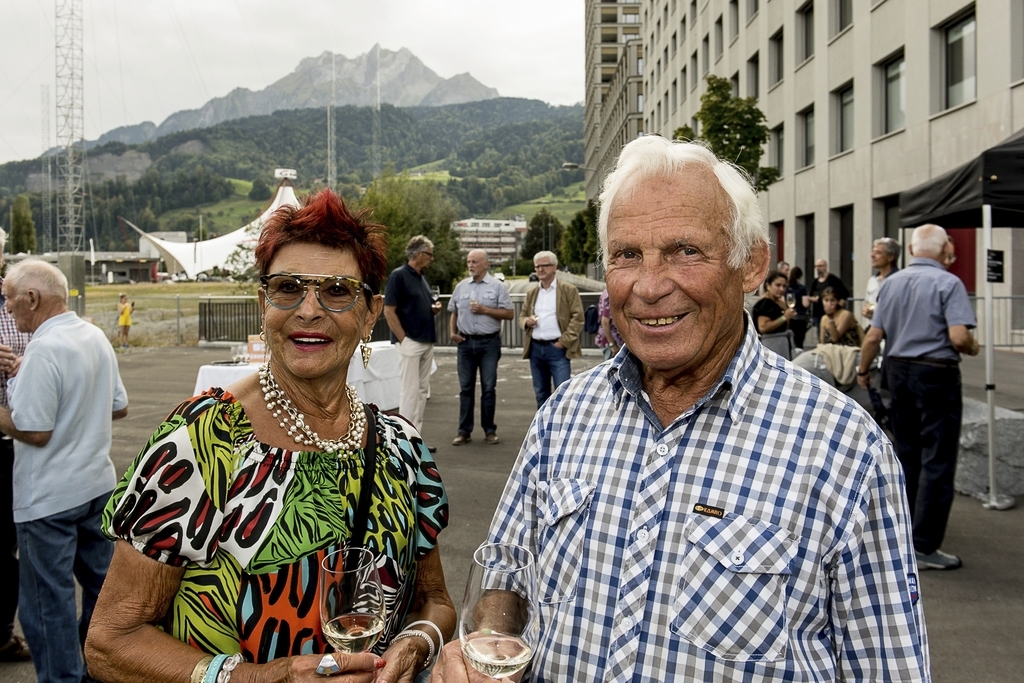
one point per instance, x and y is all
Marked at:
(543, 342)
(492, 335)
(931, 362)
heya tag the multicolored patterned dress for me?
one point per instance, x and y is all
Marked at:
(250, 524)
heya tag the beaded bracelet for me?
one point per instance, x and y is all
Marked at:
(199, 672)
(418, 634)
(224, 675)
(427, 622)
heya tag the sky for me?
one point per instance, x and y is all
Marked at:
(146, 59)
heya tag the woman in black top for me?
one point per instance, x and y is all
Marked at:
(770, 313)
(799, 323)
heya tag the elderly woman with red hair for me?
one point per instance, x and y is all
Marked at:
(224, 518)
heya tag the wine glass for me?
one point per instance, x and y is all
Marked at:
(352, 610)
(500, 626)
(435, 293)
(790, 300)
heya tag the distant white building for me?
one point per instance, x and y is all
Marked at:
(501, 239)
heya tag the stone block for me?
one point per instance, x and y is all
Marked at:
(972, 465)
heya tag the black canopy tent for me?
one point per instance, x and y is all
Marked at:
(986, 191)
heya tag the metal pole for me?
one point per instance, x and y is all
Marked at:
(995, 501)
(177, 302)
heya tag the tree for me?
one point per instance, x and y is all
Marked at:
(544, 233)
(416, 207)
(735, 130)
(260, 191)
(579, 243)
(23, 228)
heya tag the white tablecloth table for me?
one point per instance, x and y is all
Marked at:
(380, 383)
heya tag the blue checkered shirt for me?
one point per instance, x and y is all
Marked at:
(10, 336)
(762, 536)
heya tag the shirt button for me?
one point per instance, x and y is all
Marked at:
(737, 557)
(642, 534)
(662, 449)
(627, 623)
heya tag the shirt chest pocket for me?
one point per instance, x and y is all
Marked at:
(731, 598)
(564, 512)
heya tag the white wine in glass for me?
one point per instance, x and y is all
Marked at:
(499, 628)
(435, 293)
(790, 300)
(352, 609)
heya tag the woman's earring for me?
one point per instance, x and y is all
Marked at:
(365, 349)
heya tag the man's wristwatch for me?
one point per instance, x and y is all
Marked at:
(864, 374)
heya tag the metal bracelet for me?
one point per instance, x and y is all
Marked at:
(199, 672)
(418, 634)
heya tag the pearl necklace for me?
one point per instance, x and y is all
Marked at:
(294, 422)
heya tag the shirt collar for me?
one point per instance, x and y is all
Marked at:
(54, 321)
(737, 383)
(925, 261)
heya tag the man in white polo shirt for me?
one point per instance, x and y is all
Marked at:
(552, 316)
(62, 400)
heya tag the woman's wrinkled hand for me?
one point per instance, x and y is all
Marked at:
(451, 667)
(404, 661)
(361, 668)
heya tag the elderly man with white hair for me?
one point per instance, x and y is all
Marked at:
(699, 508)
(925, 316)
(62, 400)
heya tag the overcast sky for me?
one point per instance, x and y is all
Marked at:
(144, 60)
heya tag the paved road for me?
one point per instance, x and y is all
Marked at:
(975, 615)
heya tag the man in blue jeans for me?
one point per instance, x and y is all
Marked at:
(552, 316)
(62, 399)
(478, 305)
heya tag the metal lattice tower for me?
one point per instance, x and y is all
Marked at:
(332, 160)
(46, 170)
(70, 233)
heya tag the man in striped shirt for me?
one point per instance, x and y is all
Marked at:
(699, 508)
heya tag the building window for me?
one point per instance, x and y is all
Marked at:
(775, 149)
(657, 70)
(752, 7)
(960, 65)
(693, 13)
(754, 76)
(805, 32)
(776, 59)
(675, 95)
(735, 81)
(657, 118)
(842, 15)
(657, 29)
(693, 70)
(705, 52)
(843, 101)
(719, 38)
(806, 226)
(640, 103)
(734, 18)
(695, 125)
(894, 95)
(673, 45)
(806, 142)
(665, 57)
(639, 66)
(682, 30)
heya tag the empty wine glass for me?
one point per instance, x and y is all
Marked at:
(500, 627)
(352, 610)
(435, 293)
(790, 300)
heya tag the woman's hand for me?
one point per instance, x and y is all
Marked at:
(405, 659)
(360, 668)
(788, 314)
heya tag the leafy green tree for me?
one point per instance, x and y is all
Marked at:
(23, 228)
(260, 191)
(734, 128)
(579, 243)
(544, 233)
(413, 207)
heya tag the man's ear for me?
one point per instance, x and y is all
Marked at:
(756, 269)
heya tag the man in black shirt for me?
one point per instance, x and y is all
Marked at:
(409, 309)
(822, 281)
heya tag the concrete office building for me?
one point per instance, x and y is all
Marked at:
(865, 99)
(501, 239)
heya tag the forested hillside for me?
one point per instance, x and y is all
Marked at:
(498, 153)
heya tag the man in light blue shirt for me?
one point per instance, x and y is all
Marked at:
(925, 317)
(62, 400)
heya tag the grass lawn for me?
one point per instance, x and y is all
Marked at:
(562, 206)
(221, 217)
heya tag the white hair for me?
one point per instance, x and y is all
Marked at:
(928, 241)
(549, 255)
(34, 273)
(652, 156)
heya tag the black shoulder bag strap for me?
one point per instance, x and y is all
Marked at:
(366, 488)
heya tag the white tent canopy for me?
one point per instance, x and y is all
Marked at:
(197, 257)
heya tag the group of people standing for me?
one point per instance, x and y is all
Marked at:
(697, 507)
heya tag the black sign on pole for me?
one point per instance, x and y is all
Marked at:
(994, 271)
